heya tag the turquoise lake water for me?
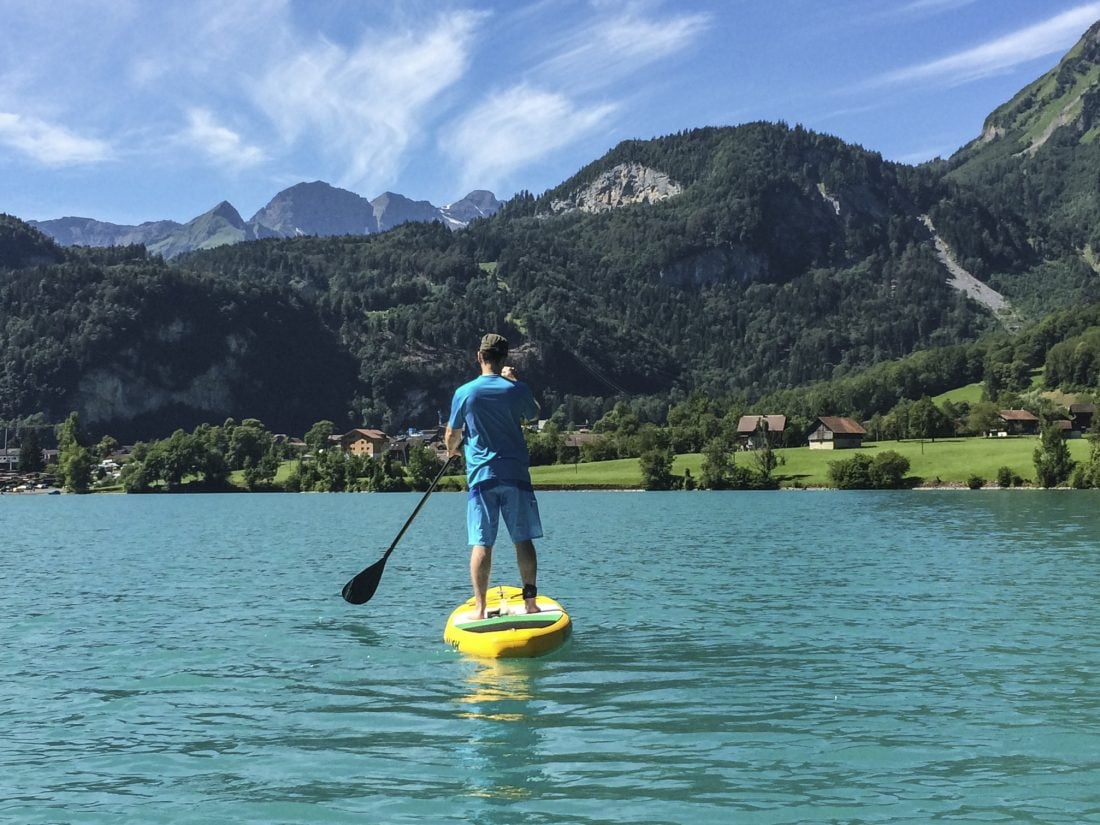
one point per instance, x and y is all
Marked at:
(788, 657)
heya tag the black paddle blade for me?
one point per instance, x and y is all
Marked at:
(362, 587)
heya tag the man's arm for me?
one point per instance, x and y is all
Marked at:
(511, 374)
(453, 440)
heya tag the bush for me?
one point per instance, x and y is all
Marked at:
(886, 471)
(1005, 477)
(975, 482)
(851, 474)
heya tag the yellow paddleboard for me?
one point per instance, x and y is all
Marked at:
(507, 631)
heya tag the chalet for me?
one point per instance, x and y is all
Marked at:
(836, 433)
(1017, 422)
(1065, 427)
(753, 429)
(1081, 416)
(372, 443)
(579, 438)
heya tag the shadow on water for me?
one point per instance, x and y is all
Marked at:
(359, 632)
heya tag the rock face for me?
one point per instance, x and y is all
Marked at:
(1066, 96)
(711, 266)
(478, 204)
(622, 185)
(391, 209)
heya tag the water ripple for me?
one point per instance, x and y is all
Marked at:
(758, 658)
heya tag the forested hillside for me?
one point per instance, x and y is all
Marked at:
(769, 257)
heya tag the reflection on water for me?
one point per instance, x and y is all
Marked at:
(498, 689)
(504, 745)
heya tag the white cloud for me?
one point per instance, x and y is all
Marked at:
(610, 49)
(997, 56)
(49, 144)
(366, 105)
(568, 95)
(516, 127)
(933, 6)
(221, 144)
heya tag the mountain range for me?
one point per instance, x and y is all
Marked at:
(315, 208)
(715, 262)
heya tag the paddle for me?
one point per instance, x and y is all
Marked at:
(362, 587)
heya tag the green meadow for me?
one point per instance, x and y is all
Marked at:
(943, 461)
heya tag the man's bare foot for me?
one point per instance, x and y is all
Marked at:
(531, 606)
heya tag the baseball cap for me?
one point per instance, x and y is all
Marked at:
(494, 344)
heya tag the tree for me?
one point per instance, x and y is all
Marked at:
(262, 473)
(106, 446)
(983, 417)
(209, 455)
(1088, 474)
(30, 451)
(657, 469)
(718, 466)
(74, 462)
(423, 466)
(317, 437)
(926, 420)
(1053, 465)
(764, 457)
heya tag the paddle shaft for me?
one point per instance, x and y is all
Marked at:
(362, 587)
(431, 487)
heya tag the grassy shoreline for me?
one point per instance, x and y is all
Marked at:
(945, 462)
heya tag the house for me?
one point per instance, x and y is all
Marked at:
(1017, 422)
(1081, 415)
(1065, 427)
(752, 429)
(372, 443)
(9, 459)
(579, 438)
(836, 433)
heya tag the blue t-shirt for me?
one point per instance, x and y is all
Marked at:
(490, 409)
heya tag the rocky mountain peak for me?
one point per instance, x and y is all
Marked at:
(315, 208)
(622, 185)
(228, 213)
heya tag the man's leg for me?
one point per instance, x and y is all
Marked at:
(528, 570)
(481, 561)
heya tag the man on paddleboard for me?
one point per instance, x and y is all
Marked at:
(485, 425)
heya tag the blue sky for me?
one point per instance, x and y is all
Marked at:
(134, 110)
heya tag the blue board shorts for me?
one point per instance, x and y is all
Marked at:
(490, 500)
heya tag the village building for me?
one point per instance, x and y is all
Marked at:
(836, 433)
(752, 430)
(1017, 422)
(359, 442)
(580, 438)
(413, 439)
(1065, 427)
(1081, 415)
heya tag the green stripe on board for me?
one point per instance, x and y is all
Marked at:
(543, 618)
